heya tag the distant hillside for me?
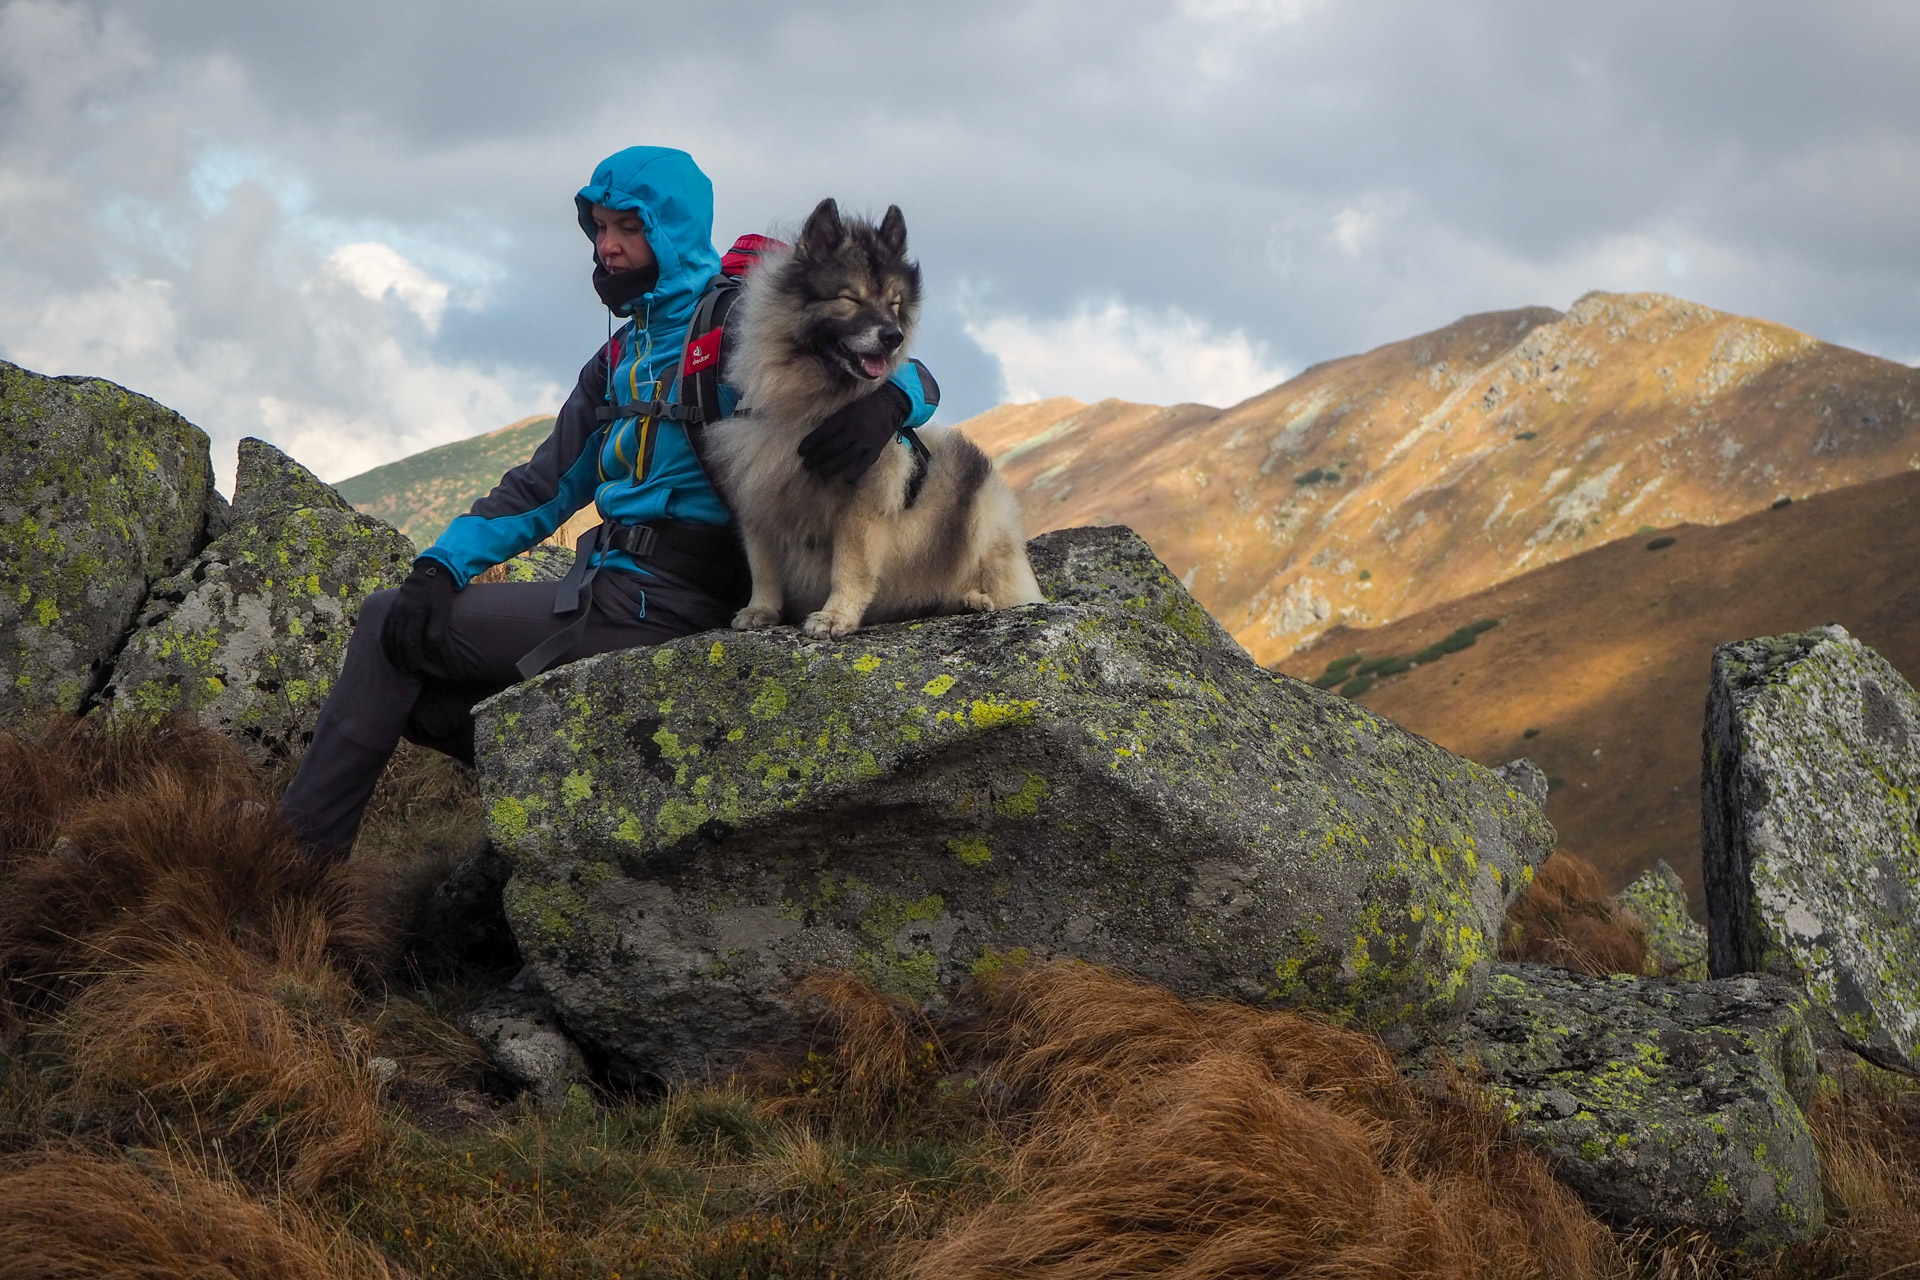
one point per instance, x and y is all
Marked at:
(421, 494)
(1373, 487)
(1598, 669)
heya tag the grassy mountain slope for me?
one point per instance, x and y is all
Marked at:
(1372, 487)
(1603, 657)
(421, 494)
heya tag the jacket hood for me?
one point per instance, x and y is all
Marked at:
(675, 203)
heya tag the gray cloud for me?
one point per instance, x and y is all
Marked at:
(1288, 179)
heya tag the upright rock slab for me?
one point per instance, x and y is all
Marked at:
(1106, 776)
(1662, 1104)
(249, 637)
(101, 492)
(1811, 844)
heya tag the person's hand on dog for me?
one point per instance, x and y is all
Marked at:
(850, 440)
(416, 625)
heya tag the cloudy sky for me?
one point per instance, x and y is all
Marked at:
(347, 227)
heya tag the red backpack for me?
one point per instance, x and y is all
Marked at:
(706, 334)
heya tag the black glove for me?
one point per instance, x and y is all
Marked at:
(416, 625)
(849, 441)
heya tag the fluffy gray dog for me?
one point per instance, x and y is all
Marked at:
(817, 327)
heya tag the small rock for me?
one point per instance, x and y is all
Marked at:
(1661, 1104)
(1526, 777)
(1676, 942)
(543, 563)
(521, 1033)
(1811, 853)
(384, 1069)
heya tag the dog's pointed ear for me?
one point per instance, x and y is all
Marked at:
(893, 230)
(824, 230)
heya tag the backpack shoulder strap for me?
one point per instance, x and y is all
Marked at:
(701, 361)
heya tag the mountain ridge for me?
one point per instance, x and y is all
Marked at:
(1441, 464)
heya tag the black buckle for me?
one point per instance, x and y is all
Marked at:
(637, 540)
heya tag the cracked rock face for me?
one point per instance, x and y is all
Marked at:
(249, 636)
(101, 492)
(1105, 776)
(1661, 1104)
(1811, 837)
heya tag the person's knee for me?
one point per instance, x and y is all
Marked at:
(374, 609)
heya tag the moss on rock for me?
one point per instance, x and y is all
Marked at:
(101, 492)
(1106, 776)
(1812, 826)
(1676, 942)
(1662, 1104)
(250, 635)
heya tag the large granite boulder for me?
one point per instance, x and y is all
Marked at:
(249, 636)
(1106, 776)
(1662, 1104)
(1811, 849)
(101, 492)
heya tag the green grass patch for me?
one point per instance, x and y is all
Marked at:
(699, 1184)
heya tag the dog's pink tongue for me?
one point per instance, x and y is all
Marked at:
(872, 366)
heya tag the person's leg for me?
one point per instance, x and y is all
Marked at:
(372, 702)
(359, 726)
(492, 626)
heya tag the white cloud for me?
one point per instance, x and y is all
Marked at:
(1163, 357)
(1258, 12)
(375, 270)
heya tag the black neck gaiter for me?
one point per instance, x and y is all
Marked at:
(618, 289)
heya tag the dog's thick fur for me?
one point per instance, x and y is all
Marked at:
(817, 327)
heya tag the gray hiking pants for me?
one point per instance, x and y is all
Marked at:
(493, 625)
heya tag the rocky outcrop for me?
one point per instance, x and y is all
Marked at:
(1662, 1104)
(249, 636)
(1811, 843)
(1105, 776)
(101, 492)
(1676, 944)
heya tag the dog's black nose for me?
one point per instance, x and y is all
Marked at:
(891, 337)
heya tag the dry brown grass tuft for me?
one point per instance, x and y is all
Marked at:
(247, 1063)
(1866, 1125)
(68, 1215)
(1159, 1137)
(124, 843)
(67, 760)
(872, 1064)
(1568, 919)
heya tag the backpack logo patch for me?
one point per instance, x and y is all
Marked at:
(703, 351)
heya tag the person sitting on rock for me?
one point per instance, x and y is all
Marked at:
(666, 562)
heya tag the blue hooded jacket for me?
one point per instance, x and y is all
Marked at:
(634, 469)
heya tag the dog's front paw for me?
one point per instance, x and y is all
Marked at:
(756, 617)
(829, 624)
(977, 602)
